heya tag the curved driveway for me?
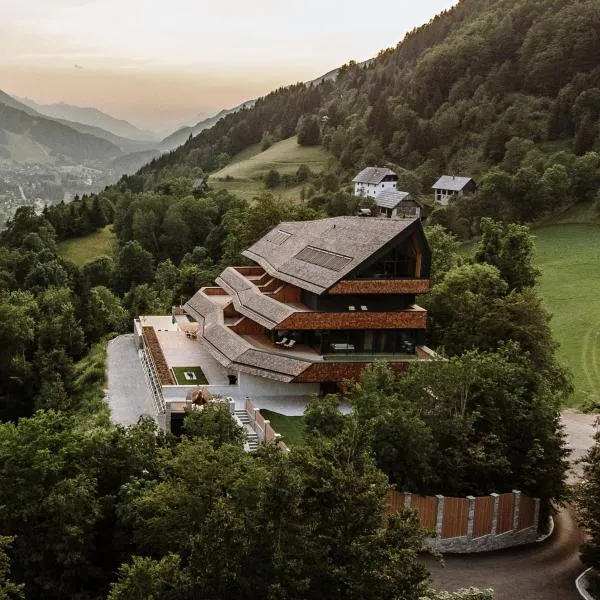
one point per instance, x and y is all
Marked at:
(545, 571)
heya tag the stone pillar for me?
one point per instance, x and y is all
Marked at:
(471, 517)
(439, 520)
(496, 498)
(536, 513)
(517, 510)
(407, 499)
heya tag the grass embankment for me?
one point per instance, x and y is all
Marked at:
(83, 249)
(569, 258)
(89, 383)
(180, 372)
(244, 175)
(291, 429)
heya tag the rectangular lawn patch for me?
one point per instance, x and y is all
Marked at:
(189, 376)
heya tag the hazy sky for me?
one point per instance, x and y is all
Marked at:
(159, 63)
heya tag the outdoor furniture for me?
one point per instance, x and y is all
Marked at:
(290, 344)
(342, 347)
(352, 308)
(363, 308)
(282, 342)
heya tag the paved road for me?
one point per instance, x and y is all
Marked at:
(128, 393)
(545, 571)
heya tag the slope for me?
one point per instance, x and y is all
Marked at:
(58, 140)
(180, 136)
(449, 97)
(90, 116)
(244, 175)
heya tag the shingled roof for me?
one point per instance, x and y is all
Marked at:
(454, 184)
(391, 198)
(315, 255)
(374, 175)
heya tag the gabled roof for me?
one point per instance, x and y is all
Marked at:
(373, 175)
(391, 198)
(315, 255)
(449, 182)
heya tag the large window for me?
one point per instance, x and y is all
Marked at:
(400, 262)
(372, 341)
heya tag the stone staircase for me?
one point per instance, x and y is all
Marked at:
(252, 441)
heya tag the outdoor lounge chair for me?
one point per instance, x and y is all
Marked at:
(290, 344)
(282, 342)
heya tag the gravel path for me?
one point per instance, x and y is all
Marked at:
(128, 394)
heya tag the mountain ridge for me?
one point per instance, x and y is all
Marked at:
(87, 115)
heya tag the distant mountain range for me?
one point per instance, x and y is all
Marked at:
(90, 116)
(26, 136)
(181, 136)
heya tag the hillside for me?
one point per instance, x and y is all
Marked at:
(91, 117)
(180, 136)
(568, 255)
(244, 175)
(57, 140)
(448, 98)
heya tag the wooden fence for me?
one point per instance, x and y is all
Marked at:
(470, 517)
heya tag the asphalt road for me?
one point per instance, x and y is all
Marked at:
(128, 393)
(544, 571)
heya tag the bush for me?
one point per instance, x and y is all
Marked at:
(273, 179)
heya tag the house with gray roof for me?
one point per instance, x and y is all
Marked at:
(394, 205)
(322, 300)
(372, 181)
(449, 186)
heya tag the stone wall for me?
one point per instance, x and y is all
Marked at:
(467, 525)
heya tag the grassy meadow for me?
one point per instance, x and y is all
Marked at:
(83, 249)
(569, 257)
(244, 175)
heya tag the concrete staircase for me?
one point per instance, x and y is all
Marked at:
(252, 440)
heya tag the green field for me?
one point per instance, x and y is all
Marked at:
(291, 429)
(180, 372)
(569, 258)
(84, 249)
(243, 175)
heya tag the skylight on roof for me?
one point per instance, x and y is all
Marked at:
(322, 258)
(277, 237)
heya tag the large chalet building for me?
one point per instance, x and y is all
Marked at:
(325, 298)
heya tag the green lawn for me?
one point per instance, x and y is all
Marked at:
(243, 176)
(83, 249)
(291, 429)
(569, 258)
(179, 373)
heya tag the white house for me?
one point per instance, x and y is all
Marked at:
(372, 181)
(448, 186)
(393, 204)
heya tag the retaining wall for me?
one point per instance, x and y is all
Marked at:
(465, 525)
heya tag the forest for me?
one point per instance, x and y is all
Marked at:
(506, 91)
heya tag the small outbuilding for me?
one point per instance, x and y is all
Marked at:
(400, 205)
(449, 186)
(372, 181)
